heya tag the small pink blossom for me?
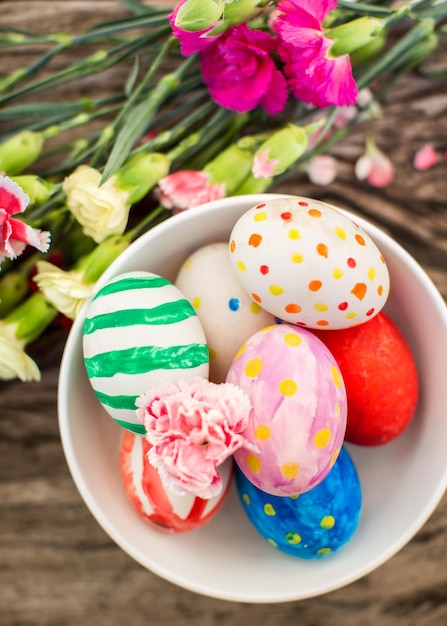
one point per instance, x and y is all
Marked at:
(186, 189)
(191, 42)
(263, 167)
(426, 157)
(313, 75)
(322, 169)
(240, 73)
(15, 235)
(193, 427)
(374, 166)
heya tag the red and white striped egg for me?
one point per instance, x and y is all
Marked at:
(151, 499)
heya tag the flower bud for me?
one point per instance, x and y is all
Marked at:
(231, 167)
(141, 173)
(253, 185)
(196, 15)
(28, 321)
(279, 151)
(20, 151)
(37, 188)
(238, 11)
(353, 35)
(94, 264)
(13, 289)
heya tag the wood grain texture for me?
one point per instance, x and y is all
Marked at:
(59, 568)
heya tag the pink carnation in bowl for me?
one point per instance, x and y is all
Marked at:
(193, 427)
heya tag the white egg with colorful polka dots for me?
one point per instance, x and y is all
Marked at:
(308, 264)
(227, 314)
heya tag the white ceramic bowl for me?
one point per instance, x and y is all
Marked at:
(402, 481)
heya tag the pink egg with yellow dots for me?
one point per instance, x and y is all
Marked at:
(156, 504)
(298, 416)
(307, 263)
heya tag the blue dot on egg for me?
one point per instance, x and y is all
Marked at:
(234, 304)
(314, 524)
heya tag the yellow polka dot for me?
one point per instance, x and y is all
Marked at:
(196, 302)
(253, 463)
(294, 497)
(288, 387)
(276, 290)
(321, 306)
(292, 339)
(212, 353)
(254, 367)
(187, 264)
(351, 315)
(268, 509)
(246, 499)
(334, 458)
(322, 438)
(338, 410)
(336, 376)
(241, 351)
(262, 432)
(240, 266)
(292, 537)
(294, 233)
(323, 551)
(290, 470)
(260, 216)
(340, 232)
(272, 542)
(296, 257)
(266, 329)
(255, 308)
(337, 272)
(327, 522)
(372, 273)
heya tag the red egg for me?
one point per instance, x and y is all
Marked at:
(157, 505)
(381, 379)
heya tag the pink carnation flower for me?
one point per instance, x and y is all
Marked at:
(15, 235)
(193, 427)
(186, 189)
(190, 42)
(240, 73)
(374, 166)
(426, 157)
(314, 76)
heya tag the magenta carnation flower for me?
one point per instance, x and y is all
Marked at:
(190, 42)
(240, 73)
(313, 75)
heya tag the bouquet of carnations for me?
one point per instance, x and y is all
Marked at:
(221, 97)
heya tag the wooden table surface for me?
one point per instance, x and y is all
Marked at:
(59, 568)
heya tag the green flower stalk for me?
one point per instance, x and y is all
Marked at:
(18, 329)
(230, 167)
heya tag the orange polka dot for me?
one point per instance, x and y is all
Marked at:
(314, 213)
(380, 290)
(292, 308)
(322, 323)
(254, 240)
(322, 250)
(232, 245)
(359, 239)
(315, 285)
(359, 290)
(257, 298)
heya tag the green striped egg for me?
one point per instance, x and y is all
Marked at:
(140, 331)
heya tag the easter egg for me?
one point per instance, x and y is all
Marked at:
(314, 524)
(381, 379)
(151, 499)
(228, 315)
(298, 417)
(308, 264)
(140, 331)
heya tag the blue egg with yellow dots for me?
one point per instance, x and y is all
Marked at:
(314, 524)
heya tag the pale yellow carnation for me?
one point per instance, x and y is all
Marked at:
(101, 210)
(66, 291)
(14, 362)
